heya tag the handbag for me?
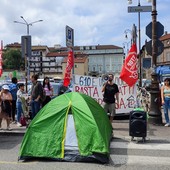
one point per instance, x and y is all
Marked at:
(23, 121)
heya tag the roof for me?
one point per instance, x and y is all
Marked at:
(99, 47)
(39, 47)
(165, 37)
(57, 54)
(76, 60)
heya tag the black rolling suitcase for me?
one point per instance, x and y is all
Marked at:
(138, 124)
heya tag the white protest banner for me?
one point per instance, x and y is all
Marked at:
(92, 86)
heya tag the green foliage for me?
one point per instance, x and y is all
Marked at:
(12, 59)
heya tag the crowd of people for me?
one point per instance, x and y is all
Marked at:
(14, 100)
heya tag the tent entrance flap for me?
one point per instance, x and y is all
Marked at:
(71, 138)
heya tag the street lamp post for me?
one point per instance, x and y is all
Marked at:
(26, 23)
(126, 34)
(139, 45)
(138, 10)
(126, 46)
(27, 61)
(155, 115)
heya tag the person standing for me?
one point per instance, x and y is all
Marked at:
(6, 102)
(48, 88)
(13, 90)
(165, 97)
(110, 92)
(36, 93)
(21, 103)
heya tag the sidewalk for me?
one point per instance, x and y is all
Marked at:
(15, 129)
(121, 130)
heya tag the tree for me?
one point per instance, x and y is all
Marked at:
(12, 59)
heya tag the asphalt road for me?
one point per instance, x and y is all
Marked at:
(125, 154)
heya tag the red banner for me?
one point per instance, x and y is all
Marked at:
(70, 63)
(1, 48)
(129, 73)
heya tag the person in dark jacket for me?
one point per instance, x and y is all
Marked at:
(36, 93)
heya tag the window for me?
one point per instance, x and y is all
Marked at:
(93, 47)
(167, 56)
(87, 48)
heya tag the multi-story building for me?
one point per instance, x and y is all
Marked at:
(162, 61)
(52, 64)
(36, 61)
(103, 59)
(97, 60)
(164, 58)
(80, 64)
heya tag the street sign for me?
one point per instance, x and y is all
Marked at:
(159, 46)
(146, 63)
(26, 46)
(159, 30)
(69, 36)
(139, 9)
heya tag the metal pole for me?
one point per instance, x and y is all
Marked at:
(155, 115)
(140, 57)
(26, 63)
(27, 29)
(154, 35)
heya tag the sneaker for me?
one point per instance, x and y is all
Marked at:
(19, 124)
(167, 125)
(9, 128)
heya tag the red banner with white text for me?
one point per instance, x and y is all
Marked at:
(129, 73)
(1, 48)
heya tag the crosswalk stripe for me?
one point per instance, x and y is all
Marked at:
(151, 152)
(133, 145)
(140, 160)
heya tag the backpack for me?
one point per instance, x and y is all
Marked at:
(13, 90)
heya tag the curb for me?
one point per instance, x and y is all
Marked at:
(11, 133)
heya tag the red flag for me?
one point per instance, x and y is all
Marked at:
(129, 73)
(70, 63)
(1, 48)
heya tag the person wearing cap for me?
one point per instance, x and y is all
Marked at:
(6, 100)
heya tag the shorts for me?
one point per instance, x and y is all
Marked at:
(110, 108)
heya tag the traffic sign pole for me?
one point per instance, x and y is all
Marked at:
(70, 41)
(139, 9)
(155, 115)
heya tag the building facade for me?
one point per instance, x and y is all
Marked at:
(93, 60)
(103, 59)
(163, 60)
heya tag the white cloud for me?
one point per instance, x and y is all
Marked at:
(97, 22)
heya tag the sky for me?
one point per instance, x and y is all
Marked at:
(94, 22)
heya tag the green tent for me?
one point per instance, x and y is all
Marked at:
(71, 127)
